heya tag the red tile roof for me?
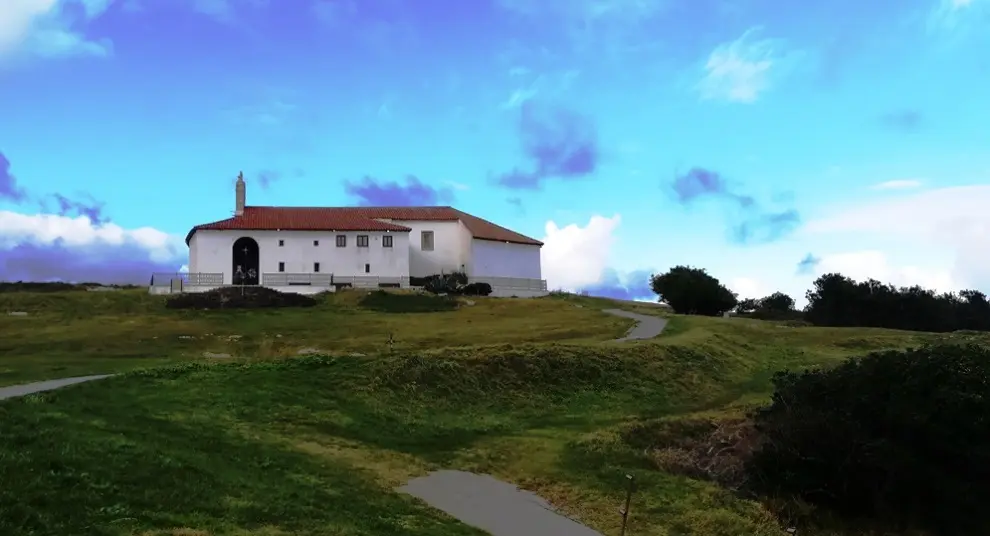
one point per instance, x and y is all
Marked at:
(358, 219)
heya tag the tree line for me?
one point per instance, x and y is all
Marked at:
(834, 300)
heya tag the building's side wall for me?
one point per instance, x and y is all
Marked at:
(503, 259)
(193, 254)
(213, 251)
(449, 253)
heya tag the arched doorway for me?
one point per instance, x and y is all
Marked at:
(245, 262)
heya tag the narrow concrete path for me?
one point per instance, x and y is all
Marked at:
(496, 507)
(646, 326)
(28, 388)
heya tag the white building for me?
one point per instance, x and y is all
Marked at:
(359, 246)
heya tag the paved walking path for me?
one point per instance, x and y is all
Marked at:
(491, 505)
(37, 387)
(646, 327)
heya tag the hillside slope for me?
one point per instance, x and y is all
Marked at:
(315, 445)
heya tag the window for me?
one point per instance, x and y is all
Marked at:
(316, 267)
(362, 241)
(426, 244)
(341, 241)
(316, 242)
(387, 241)
(281, 267)
(367, 268)
(281, 243)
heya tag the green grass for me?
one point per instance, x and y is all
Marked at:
(315, 445)
(78, 333)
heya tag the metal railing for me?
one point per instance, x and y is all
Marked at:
(280, 279)
(283, 279)
(187, 279)
(371, 281)
(512, 283)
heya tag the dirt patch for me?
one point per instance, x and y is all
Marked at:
(708, 449)
(238, 298)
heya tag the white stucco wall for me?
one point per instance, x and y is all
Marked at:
(449, 252)
(212, 251)
(193, 254)
(504, 259)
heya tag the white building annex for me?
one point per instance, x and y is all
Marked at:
(328, 247)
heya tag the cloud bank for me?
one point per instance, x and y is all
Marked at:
(48, 247)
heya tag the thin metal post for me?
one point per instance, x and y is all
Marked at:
(625, 510)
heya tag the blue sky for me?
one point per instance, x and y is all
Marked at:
(764, 142)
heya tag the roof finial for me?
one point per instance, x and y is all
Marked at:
(240, 176)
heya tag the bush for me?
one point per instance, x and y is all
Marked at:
(451, 283)
(389, 302)
(899, 436)
(476, 289)
(238, 298)
(693, 291)
(31, 286)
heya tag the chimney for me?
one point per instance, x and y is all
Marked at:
(239, 195)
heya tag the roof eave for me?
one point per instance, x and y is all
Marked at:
(528, 242)
(398, 229)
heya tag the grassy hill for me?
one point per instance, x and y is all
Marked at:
(78, 332)
(276, 444)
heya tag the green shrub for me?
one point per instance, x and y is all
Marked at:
(451, 283)
(238, 298)
(31, 286)
(476, 289)
(898, 436)
(388, 302)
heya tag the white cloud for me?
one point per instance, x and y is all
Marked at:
(41, 28)
(900, 184)
(17, 18)
(740, 70)
(574, 257)
(51, 229)
(928, 225)
(746, 287)
(518, 98)
(959, 18)
(864, 265)
(46, 247)
(460, 187)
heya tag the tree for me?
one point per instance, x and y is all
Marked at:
(778, 302)
(691, 290)
(836, 300)
(901, 436)
(748, 305)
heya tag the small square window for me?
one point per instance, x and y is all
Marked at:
(316, 267)
(362, 241)
(341, 241)
(387, 241)
(281, 267)
(316, 242)
(426, 243)
(281, 243)
(367, 268)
